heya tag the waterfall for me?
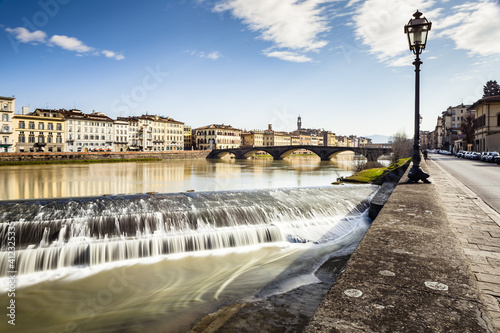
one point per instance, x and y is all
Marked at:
(57, 233)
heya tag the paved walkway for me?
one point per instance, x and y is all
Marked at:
(428, 263)
(477, 226)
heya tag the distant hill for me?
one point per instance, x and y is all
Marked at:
(376, 138)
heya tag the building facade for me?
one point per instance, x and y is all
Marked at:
(188, 138)
(120, 135)
(452, 119)
(487, 123)
(88, 131)
(329, 139)
(40, 131)
(276, 138)
(252, 139)
(217, 137)
(7, 137)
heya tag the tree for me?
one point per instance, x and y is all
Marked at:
(402, 147)
(467, 128)
(491, 88)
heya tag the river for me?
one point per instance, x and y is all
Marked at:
(170, 241)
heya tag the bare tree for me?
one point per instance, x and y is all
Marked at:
(467, 128)
(402, 146)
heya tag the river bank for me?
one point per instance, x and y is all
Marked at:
(83, 157)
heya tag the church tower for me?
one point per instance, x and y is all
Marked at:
(299, 123)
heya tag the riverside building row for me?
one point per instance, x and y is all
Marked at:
(484, 135)
(61, 130)
(52, 130)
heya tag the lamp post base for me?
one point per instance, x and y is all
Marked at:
(416, 174)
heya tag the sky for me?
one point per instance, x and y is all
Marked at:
(342, 65)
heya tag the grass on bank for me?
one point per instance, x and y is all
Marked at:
(111, 160)
(375, 175)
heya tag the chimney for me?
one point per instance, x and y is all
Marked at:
(270, 127)
(25, 110)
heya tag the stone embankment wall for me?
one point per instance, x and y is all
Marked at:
(166, 155)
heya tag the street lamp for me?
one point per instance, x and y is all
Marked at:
(417, 30)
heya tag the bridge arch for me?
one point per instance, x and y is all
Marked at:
(280, 152)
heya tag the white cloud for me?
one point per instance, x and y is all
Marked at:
(64, 42)
(25, 36)
(212, 55)
(288, 56)
(111, 54)
(291, 25)
(379, 24)
(70, 44)
(475, 27)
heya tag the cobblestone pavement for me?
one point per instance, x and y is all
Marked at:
(477, 226)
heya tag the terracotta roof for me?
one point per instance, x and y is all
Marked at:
(490, 99)
(8, 98)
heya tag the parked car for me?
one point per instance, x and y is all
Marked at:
(483, 156)
(460, 154)
(491, 156)
(475, 156)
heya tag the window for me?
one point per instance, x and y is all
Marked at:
(22, 138)
(59, 127)
(31, 125)
(22, 124)
(49, 139)
(41, 139)
(5, 117)
(50, 127)
(41, 126)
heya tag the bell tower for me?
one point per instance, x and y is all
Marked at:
(299, 123)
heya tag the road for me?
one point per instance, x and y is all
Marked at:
(481, 177)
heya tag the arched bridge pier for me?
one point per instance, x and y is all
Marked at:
(280, 152)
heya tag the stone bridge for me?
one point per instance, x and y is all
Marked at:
(280, 152)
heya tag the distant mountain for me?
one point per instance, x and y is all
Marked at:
(376, 138)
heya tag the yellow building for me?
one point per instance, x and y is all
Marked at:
(252, 139)
(7, 138)
(329, 139)
(275, 138)
(188, 138)
(487, 124)
(39, 131)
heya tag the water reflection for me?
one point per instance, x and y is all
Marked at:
(49, 181)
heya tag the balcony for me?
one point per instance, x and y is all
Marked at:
(6, 110)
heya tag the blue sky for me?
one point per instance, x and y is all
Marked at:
(342, 65)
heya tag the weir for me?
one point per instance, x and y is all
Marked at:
(57, 233)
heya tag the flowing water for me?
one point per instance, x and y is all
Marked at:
(156, 262)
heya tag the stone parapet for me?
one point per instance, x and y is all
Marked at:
(62, 156)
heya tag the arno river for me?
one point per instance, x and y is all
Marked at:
(53, 181)
(229, 231)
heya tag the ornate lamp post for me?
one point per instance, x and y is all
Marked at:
(417, 30)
